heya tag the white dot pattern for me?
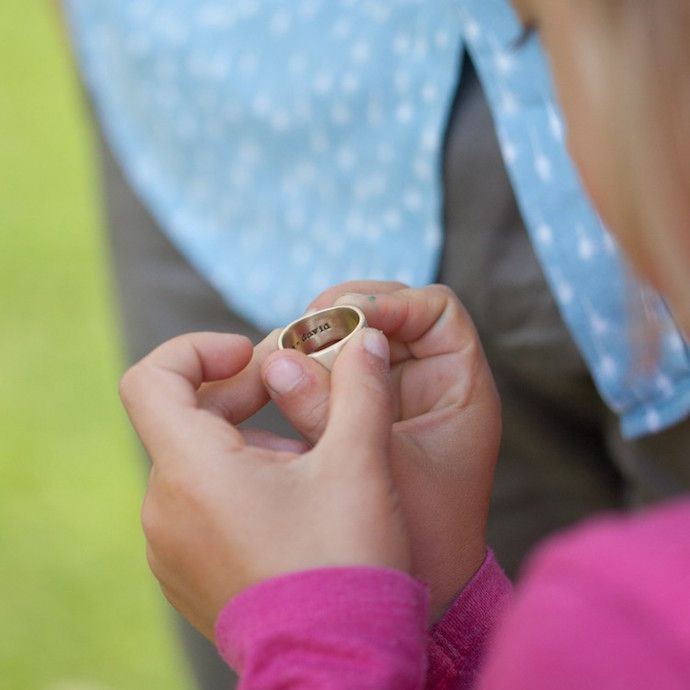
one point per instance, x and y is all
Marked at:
(580, 259)
(288, 146)
(274, 139)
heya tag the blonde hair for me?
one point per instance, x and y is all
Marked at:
(622, 71)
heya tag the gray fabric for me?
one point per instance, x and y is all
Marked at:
(562, 457)
(160, 297)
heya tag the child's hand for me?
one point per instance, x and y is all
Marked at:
(447, 429)
(219, 514)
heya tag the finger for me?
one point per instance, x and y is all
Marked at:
(364, 287)
(160, 392)
(427, 321)
(300, 387)
(435, 349)
(361, 407)
(238, 398)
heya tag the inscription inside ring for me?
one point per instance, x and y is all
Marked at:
(319, 331)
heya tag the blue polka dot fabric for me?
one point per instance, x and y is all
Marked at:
(592, 285)
(284, 146)
(289, 146)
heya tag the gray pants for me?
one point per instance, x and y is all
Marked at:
(562, 457)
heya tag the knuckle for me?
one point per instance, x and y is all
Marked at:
(152, 560)
(170, 497)
(150, 521)
(132, 383)
(443, 291)
(177, 487)
(448, 301)
(445, 296)
(127, 386)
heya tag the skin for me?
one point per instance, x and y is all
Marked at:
(417, 501)
(221, 514)
(409, 488)
(446, 432)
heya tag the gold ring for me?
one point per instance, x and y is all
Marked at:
(322, 334)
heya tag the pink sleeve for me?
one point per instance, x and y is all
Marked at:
(328, 629)
(458, 641)
(607, 606)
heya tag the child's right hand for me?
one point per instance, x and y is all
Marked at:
(447, 430)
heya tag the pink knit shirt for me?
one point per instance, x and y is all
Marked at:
(606, 607)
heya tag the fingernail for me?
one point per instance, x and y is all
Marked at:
(283, 375)
(376, 343)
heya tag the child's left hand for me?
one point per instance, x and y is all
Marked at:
(220, 514)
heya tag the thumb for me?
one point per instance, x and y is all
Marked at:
(361, 407)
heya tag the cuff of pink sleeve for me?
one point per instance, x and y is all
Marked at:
(381, 612)
(458, 640)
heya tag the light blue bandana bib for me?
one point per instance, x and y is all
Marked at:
(289, 146)
(285, 146)
(580, 259)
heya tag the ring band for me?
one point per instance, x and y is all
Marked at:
(322, 334)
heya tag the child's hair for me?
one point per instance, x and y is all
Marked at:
(622, 70)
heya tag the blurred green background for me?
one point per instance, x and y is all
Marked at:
(78, 609)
